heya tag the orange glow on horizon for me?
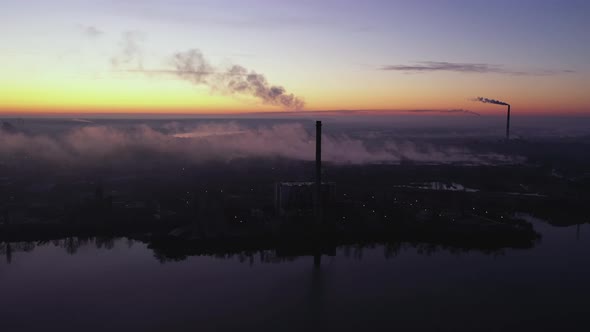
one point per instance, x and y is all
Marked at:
(56, 94)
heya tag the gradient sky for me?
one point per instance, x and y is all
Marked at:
(56, 55)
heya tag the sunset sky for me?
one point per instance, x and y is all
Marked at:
(99, 56)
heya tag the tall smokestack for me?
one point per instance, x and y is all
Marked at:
(318, 170)
(508, 124)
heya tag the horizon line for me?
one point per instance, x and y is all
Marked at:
(305, 113)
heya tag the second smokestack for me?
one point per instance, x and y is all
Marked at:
(318, 170)
(508, 124)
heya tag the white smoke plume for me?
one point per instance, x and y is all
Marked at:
(193, 66)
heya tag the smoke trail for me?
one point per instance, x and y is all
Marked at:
(192, 66)
(456, 111)
(490, 101)
(131, 51)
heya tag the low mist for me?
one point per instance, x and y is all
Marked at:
(93, 144)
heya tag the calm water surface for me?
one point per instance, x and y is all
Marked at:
(122, 286)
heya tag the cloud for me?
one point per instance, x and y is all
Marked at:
(218, 141)
(459, 67)
(429, 66)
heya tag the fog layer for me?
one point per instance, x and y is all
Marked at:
(220, 141)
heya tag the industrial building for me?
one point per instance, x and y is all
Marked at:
(298, 198)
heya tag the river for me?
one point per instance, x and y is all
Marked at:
(120, 285)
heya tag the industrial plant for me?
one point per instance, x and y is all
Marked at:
(296, 207)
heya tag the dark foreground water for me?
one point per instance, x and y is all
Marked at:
(122, 286)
